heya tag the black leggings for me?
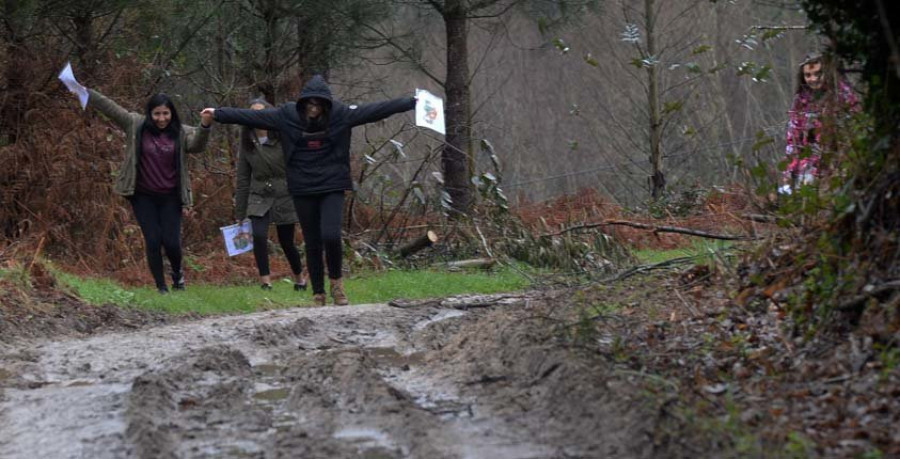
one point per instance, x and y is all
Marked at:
(261, 244)
(160, 219)
(320, 219)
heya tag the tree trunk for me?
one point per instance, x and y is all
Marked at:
(312, 53)
(12, 104)
(657, 179)
(456, 150)
(267, 86)
(84, 45)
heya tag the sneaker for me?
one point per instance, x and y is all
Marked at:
(162, 291)
(178, 281)
(319, 299)
(304, 278)
(266, 286)
(337, 292)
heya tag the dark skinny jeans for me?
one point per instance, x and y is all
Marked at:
(261, 244)
(159, 217)
(321, 218)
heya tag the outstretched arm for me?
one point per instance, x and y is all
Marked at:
(268, 119)
(369, 113)
(197, 137)
(114, 111)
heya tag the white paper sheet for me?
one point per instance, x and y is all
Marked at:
(238, 238)
(429, 111)
(68, 79)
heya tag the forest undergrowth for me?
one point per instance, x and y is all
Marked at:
(788, 345)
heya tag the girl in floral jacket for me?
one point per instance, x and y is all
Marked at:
(819, 101)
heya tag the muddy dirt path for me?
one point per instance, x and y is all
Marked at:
(376, 381)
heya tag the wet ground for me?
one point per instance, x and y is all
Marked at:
(652, 366)
(480, 377)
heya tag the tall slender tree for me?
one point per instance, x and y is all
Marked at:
(16, 24)
(457, 16)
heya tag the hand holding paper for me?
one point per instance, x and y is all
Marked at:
(238, 238)
(429, 111)
(68, 79)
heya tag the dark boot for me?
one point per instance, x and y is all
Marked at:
(178, 281)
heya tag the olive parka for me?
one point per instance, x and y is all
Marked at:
(191, 140)
(261, 185)
(317, 162)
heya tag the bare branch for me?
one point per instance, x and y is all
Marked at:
(655, 229)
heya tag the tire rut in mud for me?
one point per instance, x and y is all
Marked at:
(430, 382)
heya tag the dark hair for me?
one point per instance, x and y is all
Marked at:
(321, 123)
(173, 130)
(248, 134)
(827, 70)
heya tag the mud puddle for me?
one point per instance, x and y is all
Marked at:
(362, 381)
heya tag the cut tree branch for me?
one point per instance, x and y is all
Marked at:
(857, 301)
(426, 240)
(655, 229)
(483, 263)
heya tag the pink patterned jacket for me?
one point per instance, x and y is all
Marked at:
(805, 130)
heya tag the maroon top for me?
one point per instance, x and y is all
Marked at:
(158, 172)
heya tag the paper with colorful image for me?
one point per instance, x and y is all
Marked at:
(429, 111)
(238, 238)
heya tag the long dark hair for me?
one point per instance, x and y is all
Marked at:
(828, 72)
(321, 122)
(248, 133)
(173, 130)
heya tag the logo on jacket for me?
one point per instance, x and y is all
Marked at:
(314, 144)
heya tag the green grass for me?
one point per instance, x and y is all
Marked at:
(700, 249)
(365, 288)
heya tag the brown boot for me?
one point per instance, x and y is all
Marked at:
(337, 292)
(319, 299)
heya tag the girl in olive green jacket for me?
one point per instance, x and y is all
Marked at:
(262, 195)
(154, 176)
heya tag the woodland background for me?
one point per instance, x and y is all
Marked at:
(559, 142)
(558, 91)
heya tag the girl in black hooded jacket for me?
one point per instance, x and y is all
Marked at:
(315, 140)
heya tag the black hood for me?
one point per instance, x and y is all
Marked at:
(316, 87)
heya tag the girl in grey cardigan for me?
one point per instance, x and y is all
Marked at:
(154, 176)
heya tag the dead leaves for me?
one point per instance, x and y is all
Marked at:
(841, 394)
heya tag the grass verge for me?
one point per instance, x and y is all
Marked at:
(364, 288)
(700, 249)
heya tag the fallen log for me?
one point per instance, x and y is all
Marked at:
(483, 263)
(426, 240)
